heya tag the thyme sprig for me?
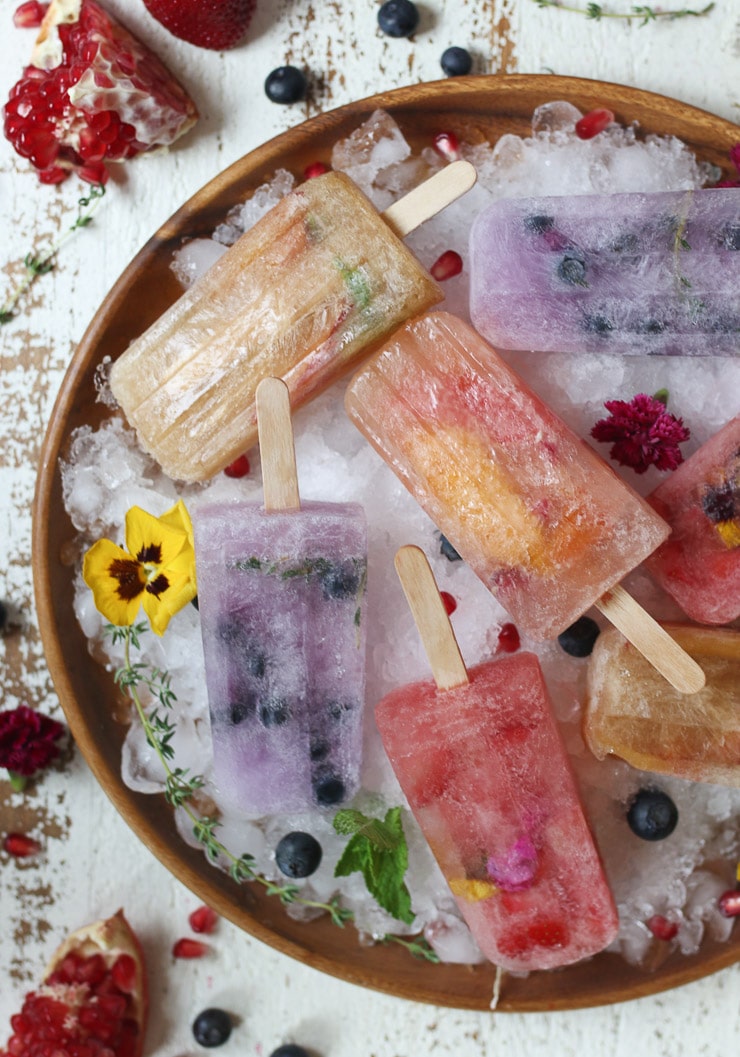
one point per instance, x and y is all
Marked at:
(644, 12)
(181, 787)
(43, 263)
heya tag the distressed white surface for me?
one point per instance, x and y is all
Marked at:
(91, 862)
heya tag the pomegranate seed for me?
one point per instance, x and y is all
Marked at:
(449, 601)
(54, 175)
(662, 928)
(94, 173)
(29, 15)
(446, 144)
(593, 123)
(20, 846)
(508, 638)
(186, 948)
(447, 266)
(124, 973)
(729, 903)
(238, 468)
(316, 168)
(203, 919)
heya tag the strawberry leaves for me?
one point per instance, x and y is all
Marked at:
(377, 849)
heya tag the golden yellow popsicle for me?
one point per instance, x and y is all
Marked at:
(318, 280)
(633, 713)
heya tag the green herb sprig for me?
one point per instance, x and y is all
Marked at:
(378, 850)
(42, 264)
(644, 12)
(181, 787)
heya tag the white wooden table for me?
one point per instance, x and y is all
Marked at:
(91, 863)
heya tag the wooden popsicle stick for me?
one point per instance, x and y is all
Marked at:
(430, 615)
(430, 198)
(277, 450)
(652, 640)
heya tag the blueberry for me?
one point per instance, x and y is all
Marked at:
(298, 854)
(572, 268)
(595, 324)
(341, 581)
(539, 224)
(456, 62)
(255, 663)
(290, 1050)
(650, 326)
(339, 709)
(652, 815)
(329, 790)
(447, 550)
(730, 236)
(273, 712)
(319, 750)
(398, 18)
(719, 503)
(578, 640)
(212, 1027)
(241, 707)
(626, 243)
(286, 84)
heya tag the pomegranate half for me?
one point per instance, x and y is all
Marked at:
(93, 1001)
(92, 94)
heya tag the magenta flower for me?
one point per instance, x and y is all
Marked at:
(642, 433)
(28, 742)
(734, 154)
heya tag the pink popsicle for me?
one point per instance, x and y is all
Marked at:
(699, 565)
(486, 775)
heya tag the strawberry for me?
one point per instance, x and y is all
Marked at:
(92, 94)
(215, 24)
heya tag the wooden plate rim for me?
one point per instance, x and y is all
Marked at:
(364, 968)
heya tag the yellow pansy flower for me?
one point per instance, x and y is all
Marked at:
(156, 570)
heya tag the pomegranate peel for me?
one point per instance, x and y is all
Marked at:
(92, 93)
(93, 1000)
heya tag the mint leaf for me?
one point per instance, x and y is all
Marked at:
(378, 850)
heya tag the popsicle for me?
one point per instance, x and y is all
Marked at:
(633, 713)
(480, 759)
(318, 280)
(539, 516)
(699, 565)
(622, 273)
(281, 594)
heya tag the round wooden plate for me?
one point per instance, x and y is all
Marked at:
(475, 108)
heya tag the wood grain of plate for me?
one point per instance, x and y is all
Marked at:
(476, 108)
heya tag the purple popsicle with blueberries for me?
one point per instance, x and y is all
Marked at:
(281, 594)
(654, 273)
